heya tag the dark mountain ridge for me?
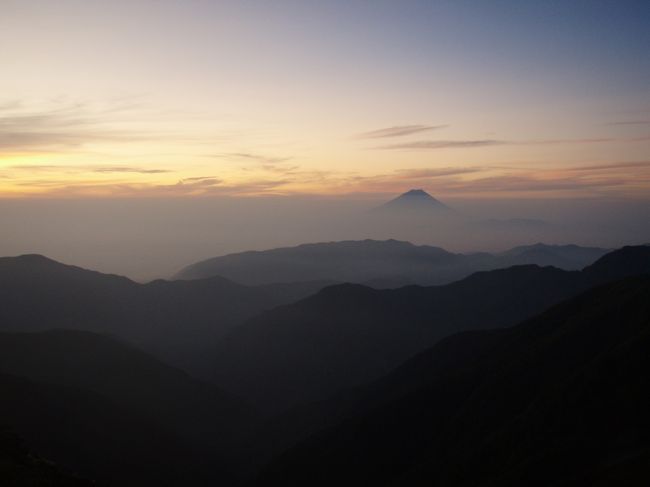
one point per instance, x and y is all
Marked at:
(175, 320)
(21, 467)
(560, 399)
(109, 411)
(349, 334)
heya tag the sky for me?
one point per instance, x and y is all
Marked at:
(140, 136)
(338, 99)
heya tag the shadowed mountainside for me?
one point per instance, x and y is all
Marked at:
(349, 334)
(559, 400)
(109, 411)
(21, 467)
(173, 319)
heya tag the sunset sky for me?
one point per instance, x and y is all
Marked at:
(342, 98)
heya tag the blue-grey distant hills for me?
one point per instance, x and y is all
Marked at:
(379, 263)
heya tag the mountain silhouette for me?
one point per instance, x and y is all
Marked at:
(348, 334)
(560, 399)
(382, 264)
(413, 201)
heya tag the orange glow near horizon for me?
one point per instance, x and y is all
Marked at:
(218, 99)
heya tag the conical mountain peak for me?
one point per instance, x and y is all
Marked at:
(417, 192)
(414, 200)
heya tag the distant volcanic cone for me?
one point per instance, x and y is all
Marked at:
(413, 201)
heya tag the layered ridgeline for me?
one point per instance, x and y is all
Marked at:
(181, 320)
(349, 334)
(381, 264)
(175, 320)
(104, 410)
(112, 413)
(561, 399)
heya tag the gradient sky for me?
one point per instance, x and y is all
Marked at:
(463, 98)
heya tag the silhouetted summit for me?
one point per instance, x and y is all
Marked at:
(415, 200)
(627, 261)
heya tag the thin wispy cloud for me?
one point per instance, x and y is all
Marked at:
(137, 170)
(630, 122)
(398, 131)
(442, 144)
(249, 156)
(466, 144)
(87, 169)
(434, 173)
(465, 180)
(261, 162)
(613, 178)
(65, 126)
(615, 166)
(202, 186)
(532, 182)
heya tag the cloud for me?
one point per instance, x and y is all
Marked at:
(203, 186)
(630, 122)
(442, 144)
(251, 157)
(508, 183)
(270, 164)
(434, 173)
(86, 169)
(460, 144)
(622, 178)
(596, 140)
(398, 131)
(614, 166)
(138, 170)
(61, 127)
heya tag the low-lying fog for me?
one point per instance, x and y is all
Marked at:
(150, 238)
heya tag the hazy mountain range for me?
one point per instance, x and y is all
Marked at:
(341, 385)
(389, 263)
(173, 319)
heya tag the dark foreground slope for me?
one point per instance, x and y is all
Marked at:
(350, 334)
(21, 467)
(561, 399)
(87, 433)
(105, 409)
(389, 263)
(175, 319)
